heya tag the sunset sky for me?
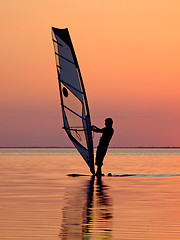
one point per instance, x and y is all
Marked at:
(129, 56)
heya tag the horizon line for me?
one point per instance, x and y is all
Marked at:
(94, 147)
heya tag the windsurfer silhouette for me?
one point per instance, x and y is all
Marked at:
(107, 133)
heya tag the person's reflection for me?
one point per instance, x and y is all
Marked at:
(104, 201)
(88, 213)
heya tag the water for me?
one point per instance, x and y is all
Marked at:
(38, 201)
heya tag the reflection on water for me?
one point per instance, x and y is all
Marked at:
(39, 202)
(88, 211)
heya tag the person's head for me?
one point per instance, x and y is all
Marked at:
(108, 122)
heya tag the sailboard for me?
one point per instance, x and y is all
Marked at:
(74, 104)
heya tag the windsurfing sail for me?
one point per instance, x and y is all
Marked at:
(75, 110)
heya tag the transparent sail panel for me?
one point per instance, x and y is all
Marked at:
(69, 73)
(74, 110)
(74, 129)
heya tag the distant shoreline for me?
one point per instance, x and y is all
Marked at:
(75, 148)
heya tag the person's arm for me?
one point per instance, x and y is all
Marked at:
(96, 129)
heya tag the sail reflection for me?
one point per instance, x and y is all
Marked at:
(88, 212)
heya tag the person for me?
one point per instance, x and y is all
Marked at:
(107, 133)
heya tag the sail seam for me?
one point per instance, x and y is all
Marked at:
(74, 112)
(65, 58)
(59, 67)
(57, 43)
(70, 86)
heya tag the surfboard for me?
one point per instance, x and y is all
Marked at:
(103, 175)
(127, 175)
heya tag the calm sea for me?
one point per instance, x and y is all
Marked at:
(38, 201)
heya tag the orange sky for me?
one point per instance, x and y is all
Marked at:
(129, 56)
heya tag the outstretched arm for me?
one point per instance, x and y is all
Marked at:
(96, 129)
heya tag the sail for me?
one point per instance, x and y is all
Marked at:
(75, 110)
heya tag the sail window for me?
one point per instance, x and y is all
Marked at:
(76, 127)
(65, 92)
(74, 110)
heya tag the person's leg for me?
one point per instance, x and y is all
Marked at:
(98, 172)
(100, 154)
(98, 160)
